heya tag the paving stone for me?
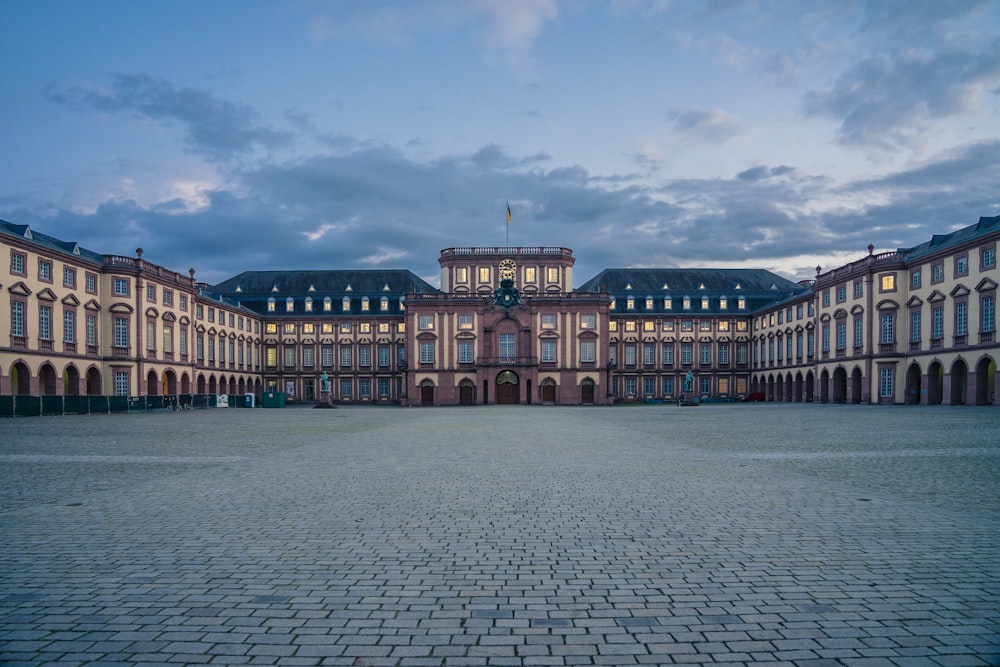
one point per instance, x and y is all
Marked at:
(521, 535)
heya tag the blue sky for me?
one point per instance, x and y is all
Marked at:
(239, 134)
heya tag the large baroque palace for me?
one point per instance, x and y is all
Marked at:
(912, 326)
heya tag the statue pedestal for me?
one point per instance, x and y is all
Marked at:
(688, 398)
(325, 400)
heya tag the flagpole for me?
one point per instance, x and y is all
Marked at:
(508, 224)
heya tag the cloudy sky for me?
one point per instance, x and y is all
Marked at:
(244, 134)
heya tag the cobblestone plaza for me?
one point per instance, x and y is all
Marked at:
(520, 535)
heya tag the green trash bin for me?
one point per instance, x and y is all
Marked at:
(273, 399)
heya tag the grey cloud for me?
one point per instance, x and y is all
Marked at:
(215, 128)
(888, 101)
(705, 125)
(763, 171)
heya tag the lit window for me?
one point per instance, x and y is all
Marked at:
(328, 327)
(346, 328)
(704, 303)
(425, 322)
(345, 304)
(461, 275)
(309, 304)
(553, 274)
(668, 303)
(630, 325)
(649, 303)
(649, 325)
(465, 322)
(530, 275)
(549, 321)
(723, 303)
(687, 303)
(270, 305)
(484, 274)
(271, 328)
(723, 325)
(741, 303)
(630, 303)
(588, 321)
(888, 282)
(289, 328)
(308, 328)
(383, 327)
(365, 304)
(327, 304)
(383, 305)
(366, 327)
(289, 304)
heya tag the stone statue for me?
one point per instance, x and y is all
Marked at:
(688, 381)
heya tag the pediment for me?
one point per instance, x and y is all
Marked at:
(960, 290)
(70, 300)
(121, 307)
(47, 295)
(985, 285)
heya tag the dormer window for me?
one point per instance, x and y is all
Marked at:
(309, 304)
(289, 304)
(383, 305)
(741, 303)
(364, 304)
(704, 303)
(687, 303)
(345, 304)
(327, 304)
(723, 303)
(668, 303)
(271, 305)
(630, 303)
(649, 303)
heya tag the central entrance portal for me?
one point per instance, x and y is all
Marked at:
(507, 388)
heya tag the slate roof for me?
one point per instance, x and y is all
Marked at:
(362, 282)
(688, 282)
(50, 242)
(941, 241)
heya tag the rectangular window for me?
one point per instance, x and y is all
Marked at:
(346, 328)
(937, 323)
(508, 346)
(211, 314)
(461, 275)
(484, 274)
(346, 356)
(630, 384)
(271, 328)
(915, 279)
(937, 272)
(705, 325)
(365, 388)
(211, 349)
(549, 321)
(588, 351)
(988, 258)
(530, 275)
(121, 383)
(426, 353)
(668, 386)
(69, 326)
(723, 325)
(17, 318)
(121, 332)
(687, 352)
(886, 378)
(552, 274)
(788, 347)
(383, 356)
(724, 353)
(859, 330)
(17, 263)
(151, 336)
(168, 297)
(548, 351)
(859, 290)
(887, 282)
(383, 387)
(915, 326)
(668, 354)
(841, 293)
(365, 356)
(168, 339)
(365, 327)
(345, 389)
(308, 356)
(151, 293)
(630, 355)
(326, 355)
(961, 266)
(308, 328)
(271, 353)
(425, 322)
(289, 326)
(588, 321)
(45, 322)
(327, 327)
(961, 318)
(45, 270)
(779, 349)
(630, 325)
(464, 322)
(988, 313)
(811, 343)
(289, 354)
(705, 384)
(841, 335)
(121, 286)
(69, 277)
(648, 386)
(888, 328)
(90, 283)
(91, 325)
(826, 298)
(705, 354)
(648, 354)
(184, 302)
(826, 337)
(183, 341)
(741, 353)
(465, 352)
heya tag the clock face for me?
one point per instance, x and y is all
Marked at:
(507, 267)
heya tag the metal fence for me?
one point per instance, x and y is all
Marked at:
(36, 406)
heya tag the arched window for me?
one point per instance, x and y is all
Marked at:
(346, 304)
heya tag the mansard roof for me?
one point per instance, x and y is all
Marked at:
(940, 242)
(689, 282)
(50, 242)
(339, 282)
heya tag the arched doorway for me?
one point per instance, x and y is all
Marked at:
(47, 380)
(169, 383)
(20, 380)
(152, 386)
(587, 391)
(71, 381)
(242, 386)
(507, 388)
(986, 371)
(959, 382)
(185, 384)
(935, 384)
(840, 386)
(824, 386)
(93, 382)
(426, 393)
(810, 387)
(856, 385)
(212, 387)
(798, 387)
(770, 388)
(779, 389)
(548, 387)
(232, 385)
(912, 385)
(789, 388)
(466, 392)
